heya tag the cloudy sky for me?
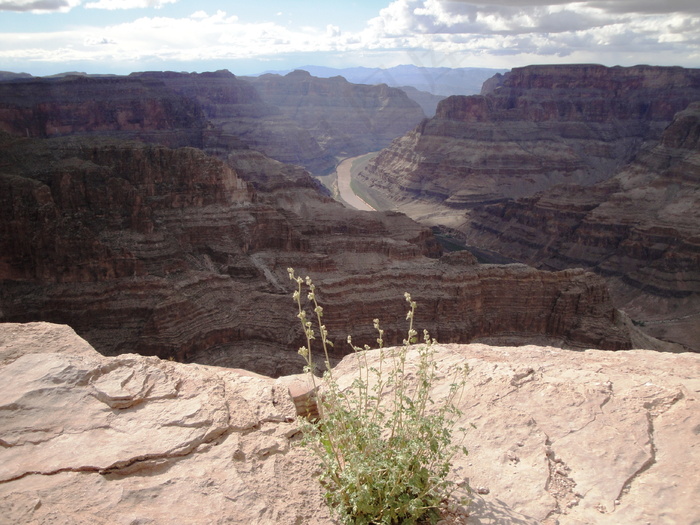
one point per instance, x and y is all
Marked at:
(119, 36)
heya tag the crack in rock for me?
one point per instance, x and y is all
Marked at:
(655, 408)
(561, 487)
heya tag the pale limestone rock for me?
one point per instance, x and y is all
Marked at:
(575, 437)
(567, 437)
(138, 440)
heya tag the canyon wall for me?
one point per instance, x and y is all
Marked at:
(569, 166)
(641, 229)
(345, 119)
(535, 127)
(299, 119)
(175, 253)
(46, 107)
(216, 111)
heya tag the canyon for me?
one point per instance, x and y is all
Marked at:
(640, 229)
(296, 119)
(148, 334)
(140, 212)
(567, 166)
(345, 119)
(142, 248)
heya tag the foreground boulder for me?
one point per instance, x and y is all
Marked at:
(568, 437)
(149, 441)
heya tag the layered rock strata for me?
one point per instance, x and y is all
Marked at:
(554, 436)
(640, 229)
(305, 121)
(39, 107)
(177, 254)
(534, 127)
(216, 111)
(537, 170)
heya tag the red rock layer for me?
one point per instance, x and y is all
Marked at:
(536, 127)
(145, 249)
(49, 107)
(316, 120)
(642, 227)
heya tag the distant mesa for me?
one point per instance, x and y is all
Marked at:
(308, 124)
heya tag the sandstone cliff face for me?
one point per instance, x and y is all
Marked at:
(540, 126)
(559, 437)
(216, 111)
(236, 112)
(316, 120)
(345, 119)
(569, 132)
(641, 229)
(177, 254)
(62, 106)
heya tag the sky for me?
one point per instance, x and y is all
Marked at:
(44, 37)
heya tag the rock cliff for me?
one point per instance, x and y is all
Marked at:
(46, 107)
(569, 132)
(641, 229)
(559, 437)
(535, 127)
(177, 254)
(305, 121)
(216, 111)
(345, 119)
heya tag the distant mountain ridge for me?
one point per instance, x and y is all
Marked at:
(442, 81)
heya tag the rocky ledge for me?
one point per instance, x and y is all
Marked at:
(568, 437)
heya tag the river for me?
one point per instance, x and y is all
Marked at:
(344, 172)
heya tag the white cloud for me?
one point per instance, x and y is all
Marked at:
(648, 6)
(38, 6)
(198, 37)
(503, 33)
(93, 40)
(128, 4)
(599, 29)
(63, 6)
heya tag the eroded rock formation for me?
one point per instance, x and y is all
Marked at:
(177, 254)
(641, 229)
(540, 126)
(559, 436)
(305, 121)
(39, 107)
(569, 132)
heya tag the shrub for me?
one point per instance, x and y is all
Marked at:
(385, 448)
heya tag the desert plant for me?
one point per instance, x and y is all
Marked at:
(384, 445)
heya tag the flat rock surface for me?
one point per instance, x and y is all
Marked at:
(90, 439)
(567, 437)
